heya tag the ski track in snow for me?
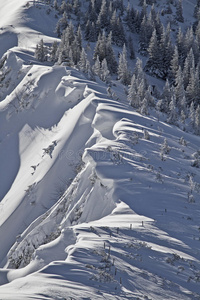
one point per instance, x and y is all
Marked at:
(89, 210)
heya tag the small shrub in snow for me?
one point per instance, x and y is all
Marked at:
(165, 149)
(146, 135)
(182, 141)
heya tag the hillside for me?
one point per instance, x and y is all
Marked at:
(97, 199)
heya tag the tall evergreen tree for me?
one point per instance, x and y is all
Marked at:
(146, 31)
(180, 43)
(123, 71)
(105, 73)
(172, 118)
(110, 55)
(104, 49)
(97, 67)
(102, 21)
(131, 18)
(179, 11)
(90, 32)
(196, 8)
(166, 52)
(193, 88)
(53, 52)
(138, 88)
(189, 40)
(63, 7)
(197, 120)
(153, 63)
(116, 26)
(192, 114)
(189, 66)
(144, 107)
(179, 89)
(41, 51)
(174, 65)
(132, 93)
(83, 63)
(166, 97)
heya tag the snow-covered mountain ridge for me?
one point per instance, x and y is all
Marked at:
(97, 200)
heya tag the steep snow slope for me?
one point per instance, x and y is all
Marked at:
(92, 208)
(23, 25)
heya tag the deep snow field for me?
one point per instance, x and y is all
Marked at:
(89, 209)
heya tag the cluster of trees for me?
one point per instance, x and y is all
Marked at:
(177, 63)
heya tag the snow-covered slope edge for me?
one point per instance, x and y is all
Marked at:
(98, 202)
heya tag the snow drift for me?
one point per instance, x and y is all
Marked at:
(97, 201)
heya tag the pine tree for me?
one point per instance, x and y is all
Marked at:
(141, 92)
(189, 66)
(105, 73)
(55, 5)
(149, 97)
(63, 7)
(131, 18)
(165, 147)
(91, 13)
(123, 72)
(100, 48)
(97, 67)
(63, 49)
(183, 116)
(197, 120)
(53, 52)
(76, 46)
(144, 10)
(110, 56)
(76, 50)
(193, 88)
(174, 65)
(83, 61)
(104, 49)
(69, 33)
(138, 71)
(166, 52)
(90, 32)
(146, 31)
(132, 93)
(180, 43)
(172, 118)
(166, 97)
(192, 114)
(158, 26)
(188, 41)
(196, 8)
(102, 21)
(144, 107)
(179, 89)
(116, 26)
(41, 52)
(63, 22)
(153, 63)
(179, 11)
(79, 37)
(76, 7)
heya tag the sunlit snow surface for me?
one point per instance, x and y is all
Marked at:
(89, 209)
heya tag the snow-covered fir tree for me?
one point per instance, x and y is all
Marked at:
(123, 71)
(179, 11)
(41, 51)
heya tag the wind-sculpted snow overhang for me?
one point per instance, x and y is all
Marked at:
(100, 191)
